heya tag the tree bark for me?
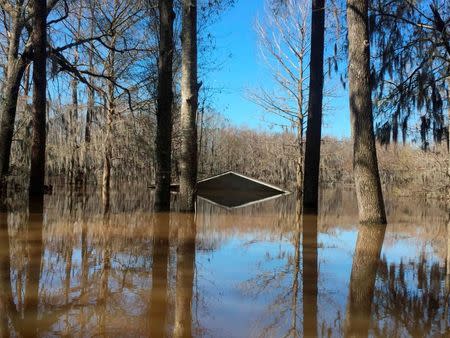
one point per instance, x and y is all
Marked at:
(39, 111)
(185, 277)
(362, 280)
(189, 104)
(15, 69)
(314, 126)
(110, 116)
(164, 106)
(365, 164)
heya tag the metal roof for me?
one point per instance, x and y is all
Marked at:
(232, 190)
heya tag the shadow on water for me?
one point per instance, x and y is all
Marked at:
(263, 270)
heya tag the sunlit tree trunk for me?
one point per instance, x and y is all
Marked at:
(39, 39)
(310, 275)
(189, 104)
(314, 126)
(365, 164)
(15, 68)
(160, 261)
(185, 277)
(164, 106)
(362, 280)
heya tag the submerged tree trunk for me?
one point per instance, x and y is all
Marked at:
(185, 277)
(164, 106)
(39, 39)
(14, 72)
(189, 103)
(314, 126)
(365, 164)
(362, 280)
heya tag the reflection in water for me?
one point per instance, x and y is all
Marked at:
(254, 271)
(7, 307)
(362, 280)
(34, 250)
(160, 260)
(310, 275)
(185, 276)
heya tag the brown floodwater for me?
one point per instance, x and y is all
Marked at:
(261, 270)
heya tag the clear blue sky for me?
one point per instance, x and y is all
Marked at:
(242, 69)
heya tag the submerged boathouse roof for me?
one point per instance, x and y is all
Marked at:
(233, 190)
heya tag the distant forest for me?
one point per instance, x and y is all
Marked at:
(106, 91)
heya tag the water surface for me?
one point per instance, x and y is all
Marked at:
(262, 270)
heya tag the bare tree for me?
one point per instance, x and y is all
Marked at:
(16, 62)
(164, 106)
(365, 163)
(189, 105)
(283, 38)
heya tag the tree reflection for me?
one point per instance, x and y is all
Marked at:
(34, 249)
(362, 281)
(310, 275)
(160, 259)
(7, 307)
(185, 276)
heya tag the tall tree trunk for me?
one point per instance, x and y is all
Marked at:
(314, 127)
(310, 275)
(300, 121)
(90, 108)
(14, 73)
(164, 106)
(74, 162)
(189, 104)
(160, 261)
(365, 164)
(362, 280)
(110, 116)
(185, 277)
(37, 171)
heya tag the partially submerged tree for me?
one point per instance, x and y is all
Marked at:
(39, 107)
(314, 127)
(189, 105)
(164, 106)
(16, 61)
(365, 162)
